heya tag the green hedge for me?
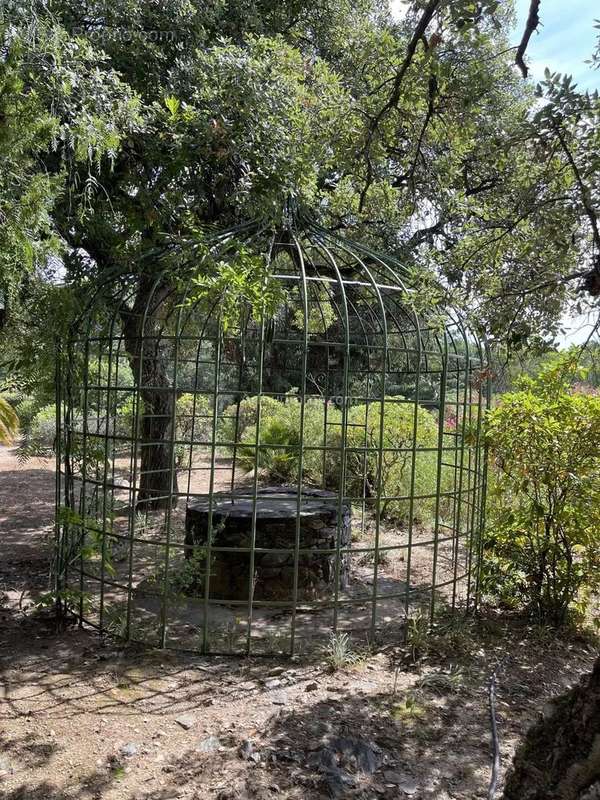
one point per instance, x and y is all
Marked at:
(365, 437)
(321, 453)
(542, 542)
(281, 427)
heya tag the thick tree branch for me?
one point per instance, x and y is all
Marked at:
(483, 186)
(592, 278)
(533, 20)
(432, 92)
(417, 36)
(426, 234)
(538, 287)
(583, 190)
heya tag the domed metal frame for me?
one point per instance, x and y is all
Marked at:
(345, 337)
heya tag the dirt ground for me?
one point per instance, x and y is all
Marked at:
(84, 718)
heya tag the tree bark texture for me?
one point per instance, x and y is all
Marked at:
(560, 757)
(142, 337)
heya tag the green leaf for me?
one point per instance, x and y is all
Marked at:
(173, 104)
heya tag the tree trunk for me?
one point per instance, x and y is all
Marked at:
(142, 337)
(560, 757)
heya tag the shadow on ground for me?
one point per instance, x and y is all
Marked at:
(81, 719)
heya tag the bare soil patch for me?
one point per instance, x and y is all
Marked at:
(83, 718)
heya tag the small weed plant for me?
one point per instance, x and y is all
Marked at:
(410, 709)
(340, 652)
(417, 634)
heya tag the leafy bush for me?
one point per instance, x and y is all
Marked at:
(40, 433)
(42, 429)
(26, 409)
(280, 428)
(98, 374)
(194, 416)
(542, 545)
(40, 438)
(364, 439)
(124, 420)
(190, 578)
(247, 417)
(193, 420)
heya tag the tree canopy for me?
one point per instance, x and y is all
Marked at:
(132, 125)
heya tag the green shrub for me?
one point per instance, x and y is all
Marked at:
(119, 376)
(190, 577)
(42, 429)
(124, 420)
(26, 409)
(40, 434)
(194, 416)
(194, 422)
(280, 428)
(247, 417)
(40, 439)
(542, 544)
(364, 439)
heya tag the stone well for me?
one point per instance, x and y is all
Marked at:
(273, 571)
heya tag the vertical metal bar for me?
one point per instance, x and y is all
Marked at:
(474, 537)
(305, 312)
(413, 470)
(114, 451)
(172, 477)
(365, 443)
(211, 487)
(436, 531)
(105, 463)
(236, 432)
(190, 462)
(466, 372)
(65, 443)
(325, 423)
(58, 525)
(132, 514)
(484, 476)
(261, 356)
(84, 460)
(472, 477)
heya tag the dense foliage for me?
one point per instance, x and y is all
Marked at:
(395, 435)
(131, 130)
(8, 422)
(285, 425)
(542, 545)
(63, 113)
(132, 126)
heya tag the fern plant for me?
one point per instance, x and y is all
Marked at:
(9, 422)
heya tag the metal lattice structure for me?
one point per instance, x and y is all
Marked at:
(258, 484)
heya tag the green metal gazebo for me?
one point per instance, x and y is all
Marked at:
(256, 475)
